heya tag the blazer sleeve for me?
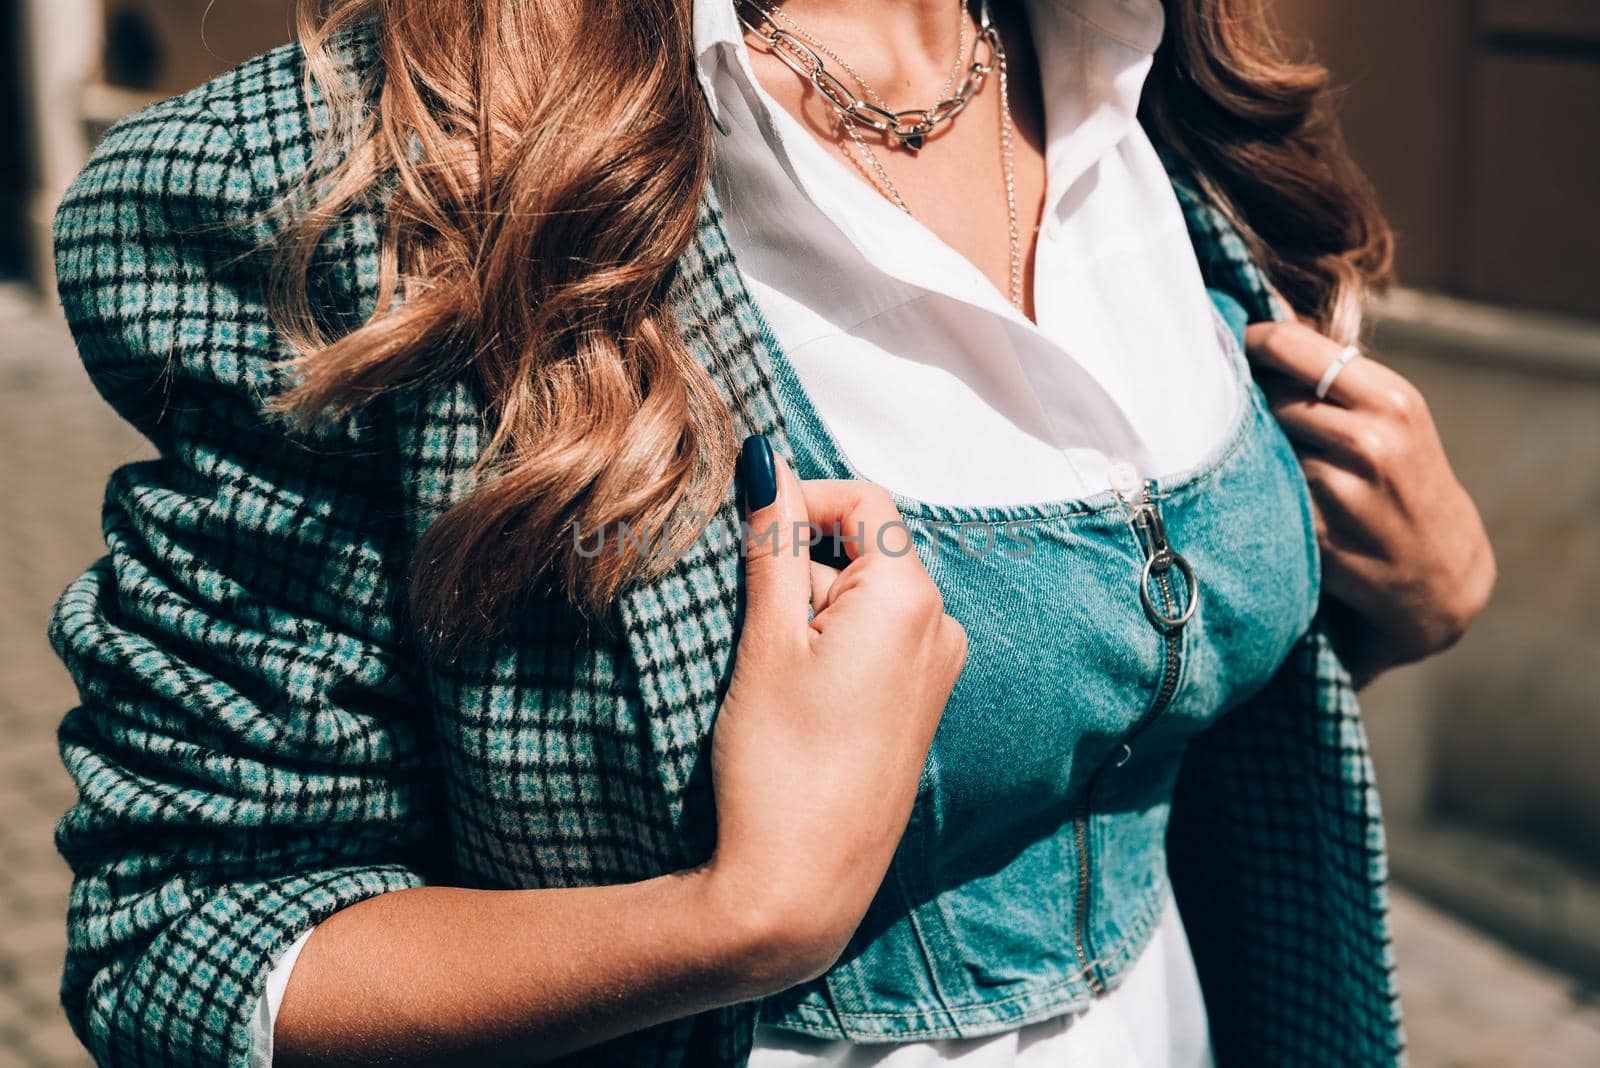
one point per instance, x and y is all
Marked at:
(249, 746)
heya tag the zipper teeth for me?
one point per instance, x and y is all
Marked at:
(1080, 911)
(1169, 678)
(1172, 643)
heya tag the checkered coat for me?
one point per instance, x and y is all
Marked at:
(258, 742)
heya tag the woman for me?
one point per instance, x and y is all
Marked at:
(430, 709)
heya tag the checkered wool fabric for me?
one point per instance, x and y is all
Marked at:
(259, 744)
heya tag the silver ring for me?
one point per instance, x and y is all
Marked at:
(1348, 353)
(1192, 589)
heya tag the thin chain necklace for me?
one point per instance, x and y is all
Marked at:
(848, 126)
(907, 127)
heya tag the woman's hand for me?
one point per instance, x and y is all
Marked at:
(820, 743)
(1404, 550)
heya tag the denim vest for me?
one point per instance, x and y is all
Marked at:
(1033, 869)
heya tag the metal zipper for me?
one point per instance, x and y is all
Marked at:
(1160, 560)
(1080, 912)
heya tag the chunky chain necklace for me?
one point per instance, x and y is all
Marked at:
(910, 138)
(799, 51)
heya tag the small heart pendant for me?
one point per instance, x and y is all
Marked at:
(913, 142)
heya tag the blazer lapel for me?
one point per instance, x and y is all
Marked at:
(682, 627)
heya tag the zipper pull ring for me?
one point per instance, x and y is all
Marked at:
(1160, 557)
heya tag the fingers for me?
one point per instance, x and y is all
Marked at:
(1326, 428)
(884, 582)
(777, 573)
(861, 516)
(1301, 353)
(781, 579)
(1297, 355)
(1311, 422)
(1352, 516)
(822, 579)
(1353, 569)
(953, 643)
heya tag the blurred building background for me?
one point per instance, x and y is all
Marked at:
(1479, 122)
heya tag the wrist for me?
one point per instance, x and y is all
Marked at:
(770, 937)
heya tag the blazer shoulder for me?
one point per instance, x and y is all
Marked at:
(232, 150)
(163, 241)
(279, 115)
(151, 240)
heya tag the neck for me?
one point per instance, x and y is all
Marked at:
(905, 40)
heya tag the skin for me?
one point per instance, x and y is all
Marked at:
(955, 186)
(1405, 554)
(436, 975)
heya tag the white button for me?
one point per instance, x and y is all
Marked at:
(1125, 477)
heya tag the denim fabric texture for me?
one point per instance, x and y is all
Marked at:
(1033, 870)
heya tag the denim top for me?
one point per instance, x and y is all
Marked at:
(1032, 871)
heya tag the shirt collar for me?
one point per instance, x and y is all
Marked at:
(716, 23)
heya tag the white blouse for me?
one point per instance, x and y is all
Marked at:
(897, 338)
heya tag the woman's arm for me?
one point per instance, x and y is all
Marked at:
(252, 755)
(439, 975)
(814, 780)
(250, 751)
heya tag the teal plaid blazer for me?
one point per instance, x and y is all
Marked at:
(259, 742)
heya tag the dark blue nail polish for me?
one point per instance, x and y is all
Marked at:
(759, 472)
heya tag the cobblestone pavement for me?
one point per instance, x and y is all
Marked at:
(1469, 1002)
(58, 441)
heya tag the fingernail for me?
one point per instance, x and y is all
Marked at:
(759, 472)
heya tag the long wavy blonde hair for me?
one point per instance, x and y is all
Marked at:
(540, 164)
